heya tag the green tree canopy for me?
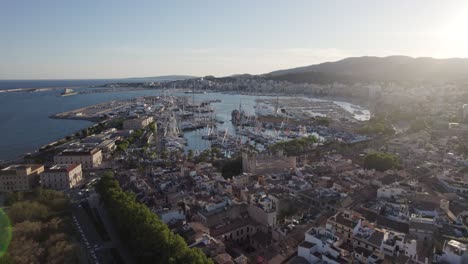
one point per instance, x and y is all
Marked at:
(146, 236)
(295, 147)
(381, 161)
(28, 210)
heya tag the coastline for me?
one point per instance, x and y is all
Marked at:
(42, 89)
(94, 121)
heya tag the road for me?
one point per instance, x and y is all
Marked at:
(88, 236)
(111, 230)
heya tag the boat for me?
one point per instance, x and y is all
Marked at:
(211, 135)
(68, 92)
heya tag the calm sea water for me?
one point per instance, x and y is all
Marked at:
(25, 124)
(14, 84)
(24, 118)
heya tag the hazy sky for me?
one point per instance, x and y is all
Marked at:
(105, 39)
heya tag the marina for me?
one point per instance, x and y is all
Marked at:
(197, 123)
(73, 113)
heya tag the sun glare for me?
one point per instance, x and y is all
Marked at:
(453, 35)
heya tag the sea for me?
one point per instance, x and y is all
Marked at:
(25, 125)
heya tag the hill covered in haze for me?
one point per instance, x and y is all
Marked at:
(393, 68)
(164, 78)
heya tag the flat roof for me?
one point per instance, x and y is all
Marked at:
(307, 244)
(80, 151)
(62, 167)
(15, 167)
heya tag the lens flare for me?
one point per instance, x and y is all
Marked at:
(5, 232)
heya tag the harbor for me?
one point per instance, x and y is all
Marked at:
(54, 117)
(200, 121)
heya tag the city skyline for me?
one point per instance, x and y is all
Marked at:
(110, 39)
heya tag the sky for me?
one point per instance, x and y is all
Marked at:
(85, 39)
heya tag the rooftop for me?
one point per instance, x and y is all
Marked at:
(13, 168)
(62, 167)
(79, 151)
(457, 245)
(307, 244)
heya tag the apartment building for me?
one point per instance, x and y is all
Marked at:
(21, 177)
(89, 158)
(137, 123)
(62, 176)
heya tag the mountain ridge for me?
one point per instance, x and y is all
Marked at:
(372, 68)
(174, 77)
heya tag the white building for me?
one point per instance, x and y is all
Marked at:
(88, 158)
(62, 176)
(453, 252)
(321, 246)
(171, 215)
(388, 192)
(383, 241)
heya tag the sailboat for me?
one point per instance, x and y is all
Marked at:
(211, 134)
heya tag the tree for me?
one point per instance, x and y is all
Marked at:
(6, 259)
(204, 155)
(13, 197)
(232, 167)
(381, 161)
(84, 132)
(35, 240)
(121, 146)
(322, 121)
(145, 235)
(295, 147)
(190, 154)
(215, 153)
(152, 127)
(28, 210)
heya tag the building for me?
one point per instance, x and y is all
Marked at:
(266, 163)
(89, 158)
(137, 123)
(465, 113)
(263, 210)
(62, 176)
(22, 177)
(453, 252)
(422, 228)
(321, 246)
(390, 192)
(343, 224)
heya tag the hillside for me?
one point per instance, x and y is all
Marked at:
(163, 78)
(393, 68)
